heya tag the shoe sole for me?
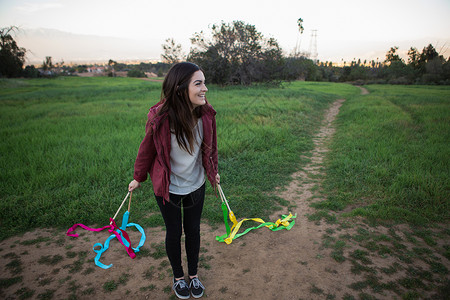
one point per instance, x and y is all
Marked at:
(182, 297)
(197, 296)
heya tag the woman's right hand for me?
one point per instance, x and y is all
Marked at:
(133, 185)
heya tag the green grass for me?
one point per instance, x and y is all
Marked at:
(36, 241)
(390, 155)
(15, 266)
(160, 250)
(48, 294)
(110, 286)
(151, 287)
(50, 260)
(7, 282)
(69, 145)
(24, 293)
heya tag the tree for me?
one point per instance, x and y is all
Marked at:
(237, 53)
(299, 41)
(392, 56)
(12, 57)
(429, 65)
(47, 65)
(112, 64)
(413, 57)
(173, 53)
(300, 25)
(428, 54)
(446, 71)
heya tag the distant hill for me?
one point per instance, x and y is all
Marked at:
(78, 48)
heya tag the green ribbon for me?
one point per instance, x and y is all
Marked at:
(225, 220)
(272, 225)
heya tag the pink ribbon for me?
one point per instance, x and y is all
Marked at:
(112, 229)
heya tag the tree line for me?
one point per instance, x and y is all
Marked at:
(237, 53)
(426, 67)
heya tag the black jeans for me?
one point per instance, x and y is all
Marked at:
(175, 220)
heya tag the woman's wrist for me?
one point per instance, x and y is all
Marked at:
(134, 184)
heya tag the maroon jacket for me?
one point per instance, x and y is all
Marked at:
(154, 152)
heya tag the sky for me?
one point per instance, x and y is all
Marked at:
(75, 30)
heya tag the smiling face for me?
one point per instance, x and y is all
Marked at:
(197, 89)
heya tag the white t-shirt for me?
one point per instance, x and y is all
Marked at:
(188, 173)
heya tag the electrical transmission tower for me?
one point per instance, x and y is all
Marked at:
(313, 46)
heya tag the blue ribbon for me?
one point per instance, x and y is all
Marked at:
(123, 227)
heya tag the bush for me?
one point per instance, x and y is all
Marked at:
(399, 80)
(300, 68)
(136, 73)
(30, 72)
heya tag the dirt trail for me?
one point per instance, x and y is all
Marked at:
(286, 264)
(364, 91)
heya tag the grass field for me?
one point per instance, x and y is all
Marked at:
(69, 144)
(67, 151)
(390, 157)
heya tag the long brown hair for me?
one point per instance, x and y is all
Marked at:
(176, 102)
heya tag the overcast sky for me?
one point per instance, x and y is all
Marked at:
(346, 29)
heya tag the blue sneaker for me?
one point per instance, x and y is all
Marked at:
(196, 288)
(181, 289)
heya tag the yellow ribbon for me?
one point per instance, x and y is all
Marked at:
(285, 223)
(237, 225)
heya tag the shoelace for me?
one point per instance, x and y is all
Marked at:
(196, 283)
(180, 284)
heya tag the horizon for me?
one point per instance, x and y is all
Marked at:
(377, 56)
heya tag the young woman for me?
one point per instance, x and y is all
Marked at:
(179, 151)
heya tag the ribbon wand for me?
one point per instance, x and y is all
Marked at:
(222, 196)
(224, 199)
(120, 207)
(232, 233)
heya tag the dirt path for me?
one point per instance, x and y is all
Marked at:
(295, 264)
(152, 79)
(364, 91)
(286, 264)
